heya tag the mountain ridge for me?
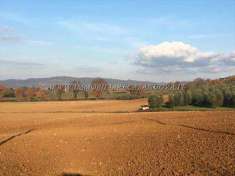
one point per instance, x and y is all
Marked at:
(46, 82)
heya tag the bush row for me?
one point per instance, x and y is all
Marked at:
(204, 95)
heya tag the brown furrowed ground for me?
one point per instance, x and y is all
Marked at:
(110, 138)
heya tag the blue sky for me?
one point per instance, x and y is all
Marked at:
(136, 39)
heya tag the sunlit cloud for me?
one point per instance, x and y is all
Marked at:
(182, 57)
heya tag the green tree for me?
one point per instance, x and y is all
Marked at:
(188, 97)
(9, 93)
(170, 103)
(219, 97)
(232, 102)
(197, 97)
(178, 99)
(155, 101)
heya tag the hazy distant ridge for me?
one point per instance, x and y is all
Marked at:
(46, 82)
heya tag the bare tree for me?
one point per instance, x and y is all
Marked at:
(86, 94)
(59, 90)
(75, 87)
(41, 94)
(20, 92)
(99, 86)
(136, 90)
(2, 87)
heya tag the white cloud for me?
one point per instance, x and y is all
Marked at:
(181, 57)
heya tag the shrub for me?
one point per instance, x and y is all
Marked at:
(233, 100)
(34, 99)
(229, 97)
(178, 99)
(170, 102)
(219, 97)
(127, 97)
(155, 101)
(209, 99)
(197, 97)
(188, 98)
(8, 93)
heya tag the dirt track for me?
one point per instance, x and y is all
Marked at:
(101, 138)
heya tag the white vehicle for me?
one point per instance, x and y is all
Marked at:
(144, 108)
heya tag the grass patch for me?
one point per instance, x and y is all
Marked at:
(192, 108)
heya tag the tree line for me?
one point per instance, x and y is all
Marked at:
(202, 93)
(75, 89)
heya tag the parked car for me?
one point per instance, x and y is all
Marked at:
(144, 108)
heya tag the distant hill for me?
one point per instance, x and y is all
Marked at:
(230, 79)
(46, 82)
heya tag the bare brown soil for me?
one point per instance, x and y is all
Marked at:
(110, 138)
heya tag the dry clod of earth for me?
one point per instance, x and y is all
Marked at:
(109, 138)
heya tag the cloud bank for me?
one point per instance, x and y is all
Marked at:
(181, 57)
